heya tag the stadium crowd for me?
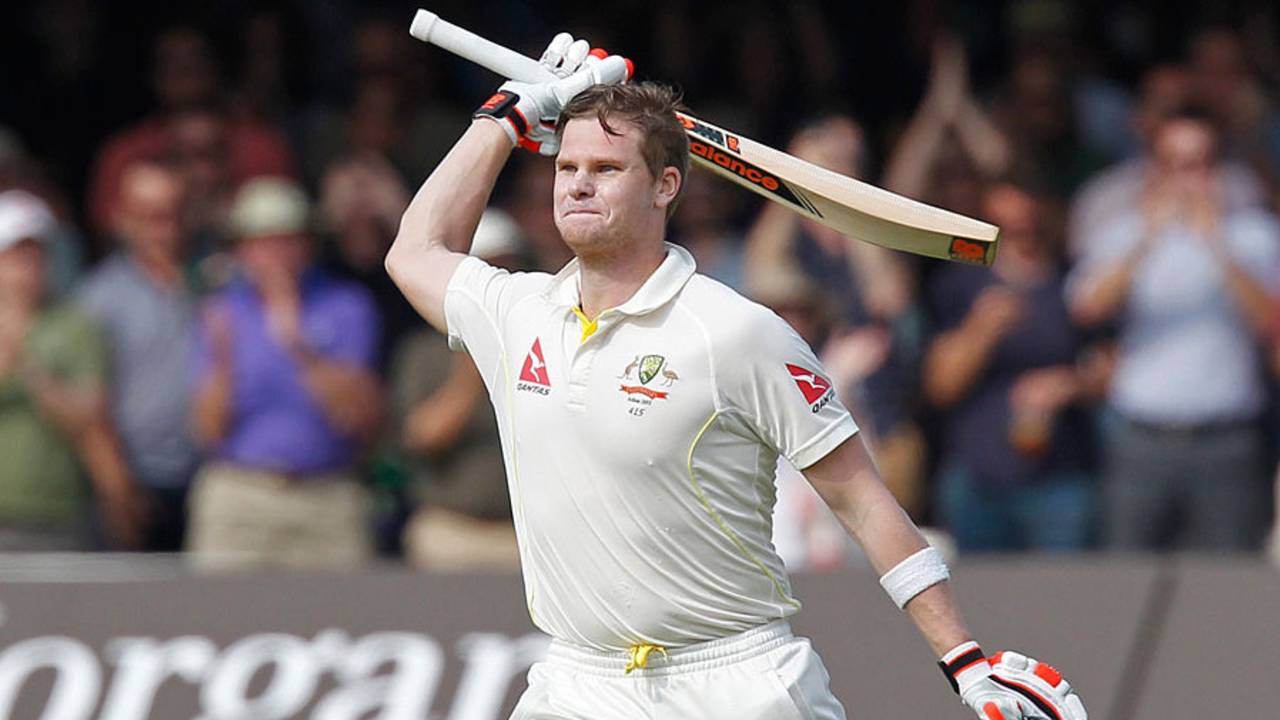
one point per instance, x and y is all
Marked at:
(200, 349)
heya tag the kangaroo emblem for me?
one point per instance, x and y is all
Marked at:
(630, 368)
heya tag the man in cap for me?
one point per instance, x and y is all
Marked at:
(284, 399)
(53, 423)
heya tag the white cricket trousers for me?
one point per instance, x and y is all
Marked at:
(765, 673)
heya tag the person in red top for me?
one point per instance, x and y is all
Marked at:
(186, 84)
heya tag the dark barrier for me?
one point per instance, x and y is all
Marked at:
(1182, 639)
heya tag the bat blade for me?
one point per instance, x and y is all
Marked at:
(851, 207)
(854, 208)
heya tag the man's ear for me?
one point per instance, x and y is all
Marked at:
(668, 186)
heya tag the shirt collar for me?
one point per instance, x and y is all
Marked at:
(660, 287)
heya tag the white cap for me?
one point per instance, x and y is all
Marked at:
(269, 206)
(496, 235)
(23, 216)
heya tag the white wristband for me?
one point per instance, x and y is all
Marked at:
(914, 575)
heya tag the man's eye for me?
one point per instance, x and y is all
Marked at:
(567, 168)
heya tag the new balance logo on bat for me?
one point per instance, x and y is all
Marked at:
(533, 376)
(815, 388)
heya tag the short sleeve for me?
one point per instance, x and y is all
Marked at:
(774, 381)
(1111, 246)
(477, 302)
(1255, 245)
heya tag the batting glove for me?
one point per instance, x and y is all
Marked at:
(528, 111)
(1010, 686)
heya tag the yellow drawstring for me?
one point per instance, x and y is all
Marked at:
(640, 656)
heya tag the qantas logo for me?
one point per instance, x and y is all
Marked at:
(815, 388)
(533, 376)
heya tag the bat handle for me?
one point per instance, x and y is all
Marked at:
(430, 28)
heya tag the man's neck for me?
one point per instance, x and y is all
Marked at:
(160, 269)
(609, 281)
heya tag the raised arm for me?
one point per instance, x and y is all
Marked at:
(436, 229)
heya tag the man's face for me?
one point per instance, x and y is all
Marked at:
(274, 259)
(1184, 154)
(605, 197)
(22, 273)
(151, 212)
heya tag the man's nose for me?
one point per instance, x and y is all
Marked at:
(581, 185)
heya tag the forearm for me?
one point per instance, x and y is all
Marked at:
(436, 423)
(1105, 294)
(447, 208)
(913, 157)
(769, 241)
(211, 409)
(1258, 307)
(851, 486)
(885, 277)
(953, 363)
(348, 395)
(436, 229)
(71, 409)
(100, 452)
(982, 140)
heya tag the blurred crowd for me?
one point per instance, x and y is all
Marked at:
(200, 350)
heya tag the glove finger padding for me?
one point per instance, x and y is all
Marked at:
(1048, 693)
(554, 55)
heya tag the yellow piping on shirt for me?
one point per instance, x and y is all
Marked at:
(724, 527)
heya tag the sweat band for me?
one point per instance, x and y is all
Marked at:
(912, 576)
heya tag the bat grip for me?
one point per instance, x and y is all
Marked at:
(430, 28)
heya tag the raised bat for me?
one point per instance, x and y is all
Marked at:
(851, 207)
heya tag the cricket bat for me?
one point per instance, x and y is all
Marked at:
(851, 207)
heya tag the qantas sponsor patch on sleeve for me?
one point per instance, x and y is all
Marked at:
(816, 389)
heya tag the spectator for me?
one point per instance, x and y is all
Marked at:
(285, 400)
(53, 421)
(447, 427)
(140, 298)
(1226, 85)
(394, 110)
(361, 201)
(1036, 113)
(1186, 280)
(63, 245)
(1003, 369)
(1112, 193)
(950, 145)
(185, 80)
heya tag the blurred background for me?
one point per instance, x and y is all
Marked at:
(203, 365)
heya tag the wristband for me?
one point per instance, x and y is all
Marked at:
(501, 107)
(912, 576)
(964, 664)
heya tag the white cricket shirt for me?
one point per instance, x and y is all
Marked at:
(641, 460)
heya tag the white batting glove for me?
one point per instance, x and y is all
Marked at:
(1010, 686)
(528, 111)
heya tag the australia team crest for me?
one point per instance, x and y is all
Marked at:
(652, 377)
